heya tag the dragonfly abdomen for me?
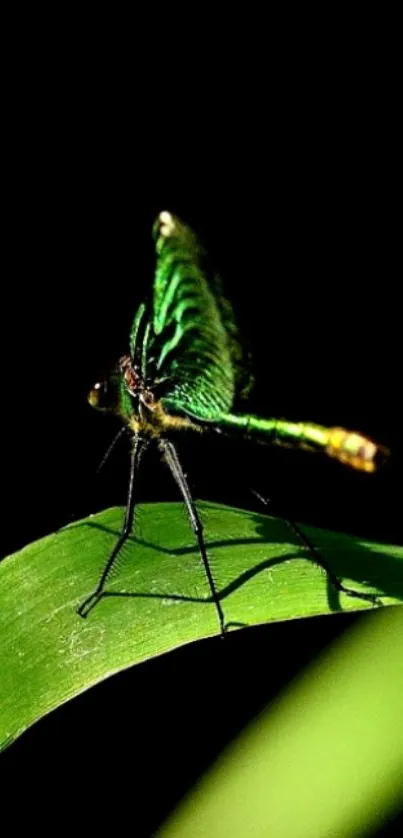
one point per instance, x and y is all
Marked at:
(348, 447)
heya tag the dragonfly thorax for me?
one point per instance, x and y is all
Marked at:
(135, 383)
(148, 417)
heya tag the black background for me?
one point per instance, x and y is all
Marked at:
(299, 215)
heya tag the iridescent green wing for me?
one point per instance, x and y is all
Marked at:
(193, 342)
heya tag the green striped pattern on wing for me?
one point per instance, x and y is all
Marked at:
(195, 344)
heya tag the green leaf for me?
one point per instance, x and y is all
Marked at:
(325, 758)
(160, 597)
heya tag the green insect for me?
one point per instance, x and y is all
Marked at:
(181, 374)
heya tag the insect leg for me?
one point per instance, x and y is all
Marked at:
(138, 449)
(172, 460)
(107, 454)
(321, 561)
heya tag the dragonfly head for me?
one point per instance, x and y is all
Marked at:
(104, 395)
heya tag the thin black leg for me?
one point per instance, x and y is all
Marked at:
(172, 459)
(322, 562)
(138, 449)
(107, 454)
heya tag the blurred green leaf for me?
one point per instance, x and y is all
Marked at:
(158, 597)
(325, 759)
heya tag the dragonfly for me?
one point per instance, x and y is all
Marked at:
(182, 373)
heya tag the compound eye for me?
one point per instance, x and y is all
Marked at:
(98, 395)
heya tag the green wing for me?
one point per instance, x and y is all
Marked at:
(194, 341)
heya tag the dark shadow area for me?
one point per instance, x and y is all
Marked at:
(126, 751)
(300, 220)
